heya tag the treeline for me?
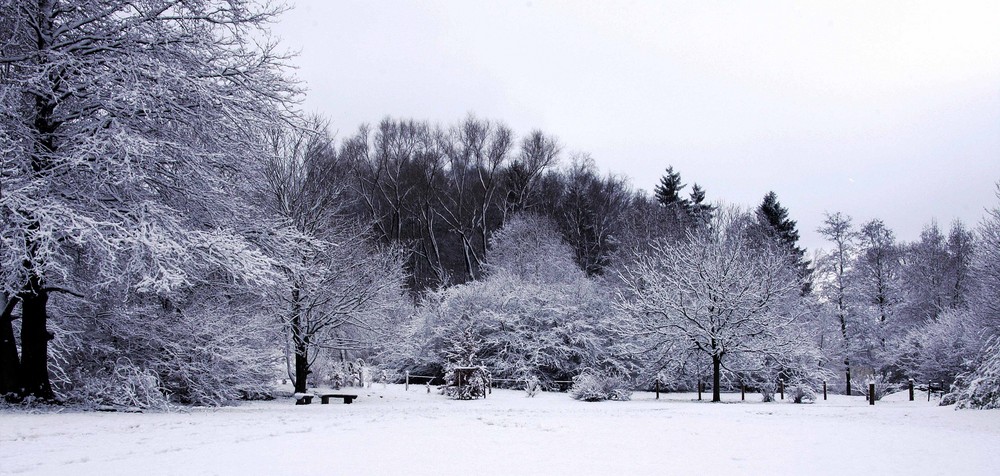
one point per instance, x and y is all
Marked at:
(441, 193)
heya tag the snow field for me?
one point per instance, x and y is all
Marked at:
(391, 431)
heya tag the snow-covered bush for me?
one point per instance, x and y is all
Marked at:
(532, 386)
(883, 385)
(980, 389)
(941, 350)
(203, 351)
(125, 385)
(767, 390)
(801, 393)
(593, 387)
(536, 313)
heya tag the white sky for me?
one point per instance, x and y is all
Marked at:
(887, 109)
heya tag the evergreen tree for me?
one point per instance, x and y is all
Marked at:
(700, 211)
(774, 221)
(668, 192)
(771, 212)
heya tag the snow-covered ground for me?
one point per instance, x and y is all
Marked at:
(391, 431)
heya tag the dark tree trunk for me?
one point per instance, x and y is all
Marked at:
(35, 338)
(10, 365)
(847, 347)
(847, 365)
(300, 342)
(716, 377)
(301, 367)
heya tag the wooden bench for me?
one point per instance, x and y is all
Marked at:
(325, 397)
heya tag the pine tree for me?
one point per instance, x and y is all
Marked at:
(668, 192)
(700, 211)
(775, 222)
(773, 214)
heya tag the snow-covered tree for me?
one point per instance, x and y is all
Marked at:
(529, 248)
(336, 282)
(836, 286)
(925, 277)
(713, 294)
(985, 300)
(940, 350)
(774, 226)
(128, 130)
(876, 274)
(981, 388)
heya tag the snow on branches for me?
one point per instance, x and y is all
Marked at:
(712, 294)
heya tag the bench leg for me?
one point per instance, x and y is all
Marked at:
(347, 401)
(325, 399)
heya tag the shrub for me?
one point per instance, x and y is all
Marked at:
(980, 389)
(767, 391)
(801, 393)
(883, 386)
(124, 385)
(141, 356)
(591, 387)
(532, 386)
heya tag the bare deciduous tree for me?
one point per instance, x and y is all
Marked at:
(335, 278)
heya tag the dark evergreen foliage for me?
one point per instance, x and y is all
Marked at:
(778, 227)
(668, 192)
(701, 212)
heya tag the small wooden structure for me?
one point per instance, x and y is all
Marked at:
(469, 382)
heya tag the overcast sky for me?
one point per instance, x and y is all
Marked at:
(876, 109)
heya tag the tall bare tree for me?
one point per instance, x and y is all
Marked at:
(335, 278)
(476, 152)
(837, 228)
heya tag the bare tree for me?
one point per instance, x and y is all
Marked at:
(837, 228)
(878, 273)
(589, 210)
(538, 153)
(335, 278)
(476, 152)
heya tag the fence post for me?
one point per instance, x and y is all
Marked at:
(824, 390)
(928, 391)
(781, 387)
(656, 384)
(407, 381)
(699, 390)
(743, 391)
(871, 394)
(911, 389)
